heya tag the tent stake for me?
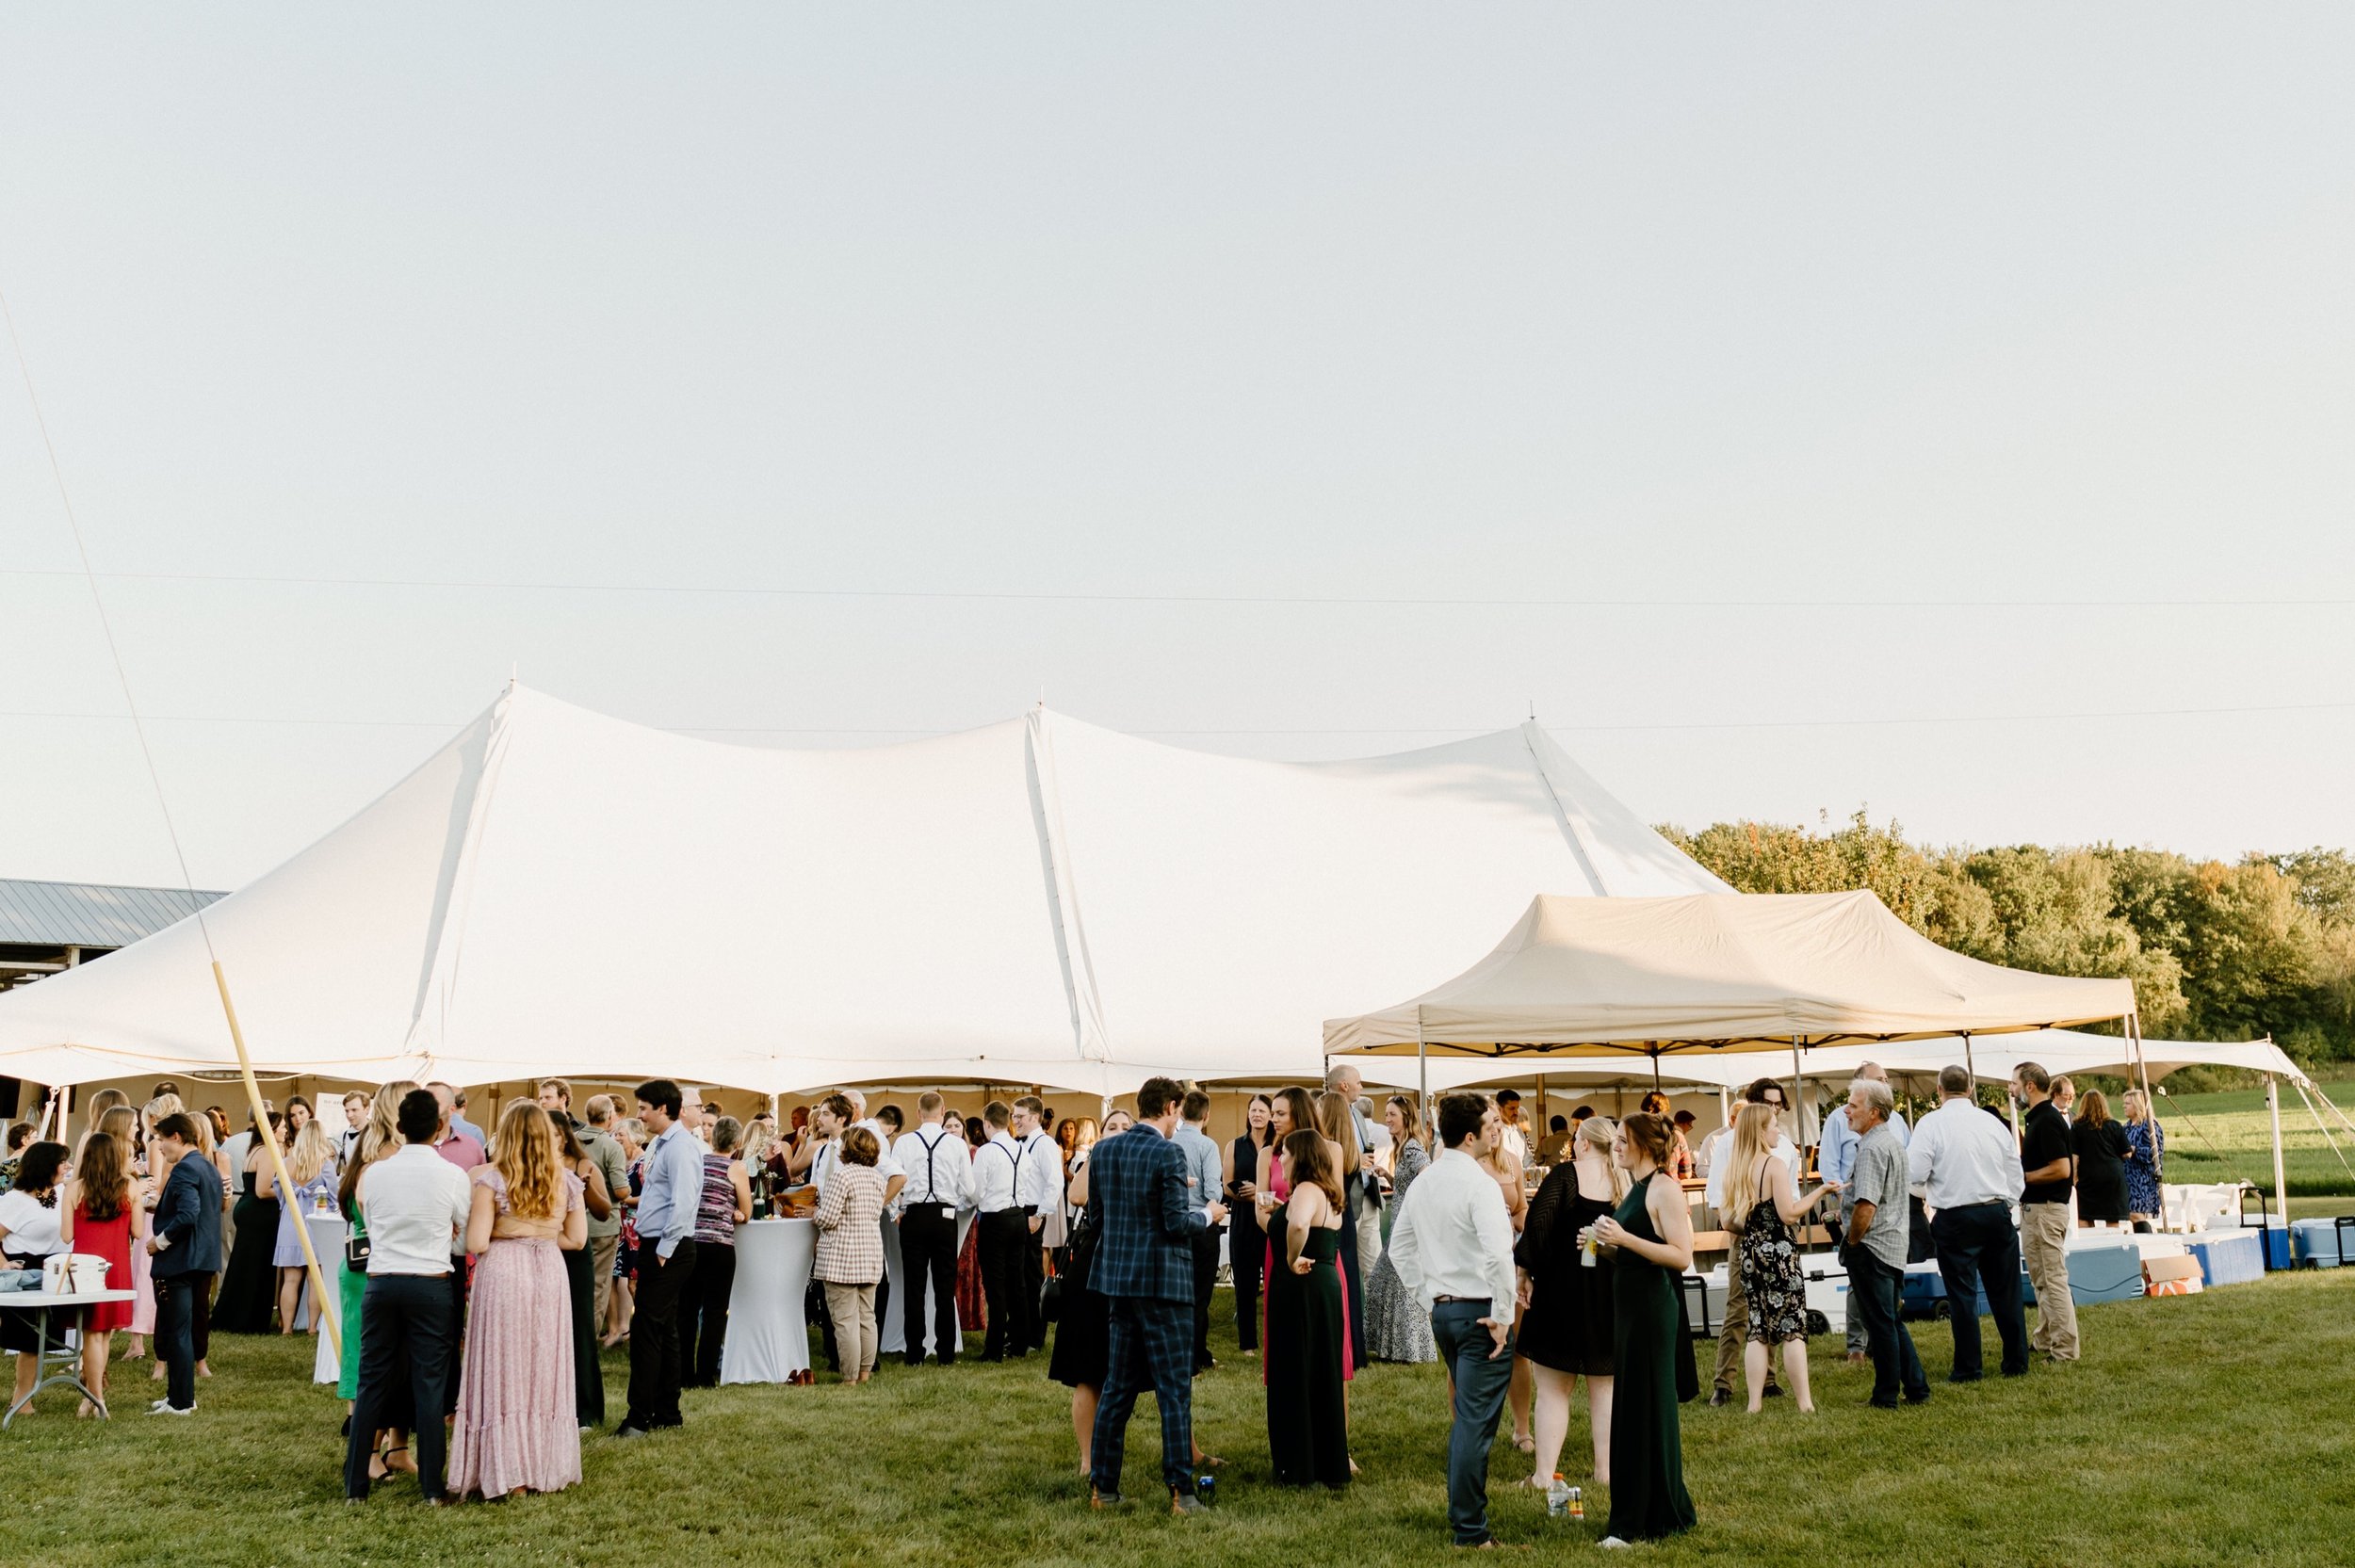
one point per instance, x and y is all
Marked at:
(325, 1313)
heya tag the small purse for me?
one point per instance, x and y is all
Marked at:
(356, 1250)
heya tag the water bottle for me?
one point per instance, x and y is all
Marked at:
(1206, 1488)
(1558, 1497)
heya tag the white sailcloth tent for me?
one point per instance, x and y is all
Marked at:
(1039, 900)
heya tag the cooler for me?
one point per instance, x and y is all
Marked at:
(2228, 1258)
(2112, 1273)
(2319, 1243)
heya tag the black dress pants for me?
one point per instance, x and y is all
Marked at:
(1977, 1246)
(654, 1368)
(703, 1323)
(1005, 1238)
(928, 1255)
(411, 1339)
(176, 1297)
(1205, 1281)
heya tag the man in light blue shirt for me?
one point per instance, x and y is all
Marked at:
(666, 1259)
(1835, 1160)
(1203, 1182)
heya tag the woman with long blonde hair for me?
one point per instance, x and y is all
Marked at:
(1567, 1320)
(311, 1167)
(151, 1174)
(518, 1425)
(1762, 1201)
(1503, 1167)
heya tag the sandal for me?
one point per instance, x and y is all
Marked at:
(1526, 1445)
(408, 1469)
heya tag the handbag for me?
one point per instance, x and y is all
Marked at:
(356, 1250)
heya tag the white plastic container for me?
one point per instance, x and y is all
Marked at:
(70, 1273)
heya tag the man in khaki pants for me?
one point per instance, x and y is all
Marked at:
(2050, 1168)
(605, 1236)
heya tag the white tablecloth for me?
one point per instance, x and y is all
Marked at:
(327, 1239)
(768, 1336)
(891, 1333)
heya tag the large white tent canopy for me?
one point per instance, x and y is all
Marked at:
(1039, 900)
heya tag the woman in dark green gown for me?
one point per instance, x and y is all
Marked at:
(1653, 1233)
(1307, 1419)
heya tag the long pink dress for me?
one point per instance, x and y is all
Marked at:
(142, 1310)
(518, 1428)
(1281, 1185)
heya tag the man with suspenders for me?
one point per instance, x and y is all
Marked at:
(1003, 1236)
(1037, 1193)
(939, 1173)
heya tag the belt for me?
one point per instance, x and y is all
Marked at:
(1462, 1301)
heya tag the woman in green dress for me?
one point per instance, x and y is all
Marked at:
(1651, 1237)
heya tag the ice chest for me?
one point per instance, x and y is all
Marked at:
(2104, 1274)
(2315, 1243)
(2228, 1258)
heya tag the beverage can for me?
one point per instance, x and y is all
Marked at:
(1577, 1503)
(1206, 1488)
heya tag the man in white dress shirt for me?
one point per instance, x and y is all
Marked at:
(1041, 1191)
(1971, 1165)
(1734, 1333)
(1452, 1245)
(939, 1183)
(1004, 1235)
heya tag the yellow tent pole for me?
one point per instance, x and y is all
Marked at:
(278, 1167)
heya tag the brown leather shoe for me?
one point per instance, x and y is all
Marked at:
(1105, 1501)
(1185, 1504)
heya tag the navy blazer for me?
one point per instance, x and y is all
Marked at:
(1144, 1215)
(189, 1212)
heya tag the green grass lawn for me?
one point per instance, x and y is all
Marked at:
(2199, 1431)
(2217, 1137)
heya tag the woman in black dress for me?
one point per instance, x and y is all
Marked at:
(1650, 1240)
(249, 1287)
(1246, 1244)
(2100, 1146)
(1566, 1325)
(1308, 1422)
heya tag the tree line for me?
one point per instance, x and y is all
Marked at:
(2217, 950)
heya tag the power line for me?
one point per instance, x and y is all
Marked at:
(1271, 599)
(1704, 725)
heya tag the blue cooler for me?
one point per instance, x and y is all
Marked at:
(2315, 1243)
(2104, 1274)
(1924, 1288)
(2228, 1258)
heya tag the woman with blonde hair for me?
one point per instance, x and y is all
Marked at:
(518, 1423)
(2146, 1151)
(1397, 1327)
(151, 1174)
(100, 1104)
(311, 1166)
(1503, 1167)
(1762, 1201)
(1567, 1320)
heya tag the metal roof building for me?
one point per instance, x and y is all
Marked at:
(45, 927)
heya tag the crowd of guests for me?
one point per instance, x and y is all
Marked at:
(483, 1272)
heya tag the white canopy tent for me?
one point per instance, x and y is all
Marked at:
(1039, 900)
(1581, 979)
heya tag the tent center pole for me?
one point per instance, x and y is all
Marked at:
(1799, 1108)
(1423, 1071)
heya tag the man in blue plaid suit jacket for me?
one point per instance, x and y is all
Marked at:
(1145, 1219)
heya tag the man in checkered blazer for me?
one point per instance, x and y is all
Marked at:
(1146, 1215)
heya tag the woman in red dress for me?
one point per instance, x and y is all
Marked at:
(102, 1216)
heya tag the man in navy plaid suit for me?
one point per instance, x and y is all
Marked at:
(1146, 1218)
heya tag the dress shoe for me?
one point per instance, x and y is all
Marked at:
(1723, 1397)
(625, 1431)
(1104, 1502)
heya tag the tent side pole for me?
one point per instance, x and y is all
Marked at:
(319, 1301)
(2281, 1183)
(1798, 1113)
(1423, 1073)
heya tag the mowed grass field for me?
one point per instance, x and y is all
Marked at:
(2196, 1431)
(2219, 1138)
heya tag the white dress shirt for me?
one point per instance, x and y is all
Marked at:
(1715, 1190)
(415, 1205)
(1000, 1173)
(1454, 1235)
(1961, 1156)
(939, 1167)
(885, 1160)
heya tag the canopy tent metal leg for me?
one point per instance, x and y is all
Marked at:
(1423, 1073)
(2281, 1182)
(1798, 1112)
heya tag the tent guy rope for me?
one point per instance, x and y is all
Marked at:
(323, 1302)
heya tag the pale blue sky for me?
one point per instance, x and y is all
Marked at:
(1864, 304)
